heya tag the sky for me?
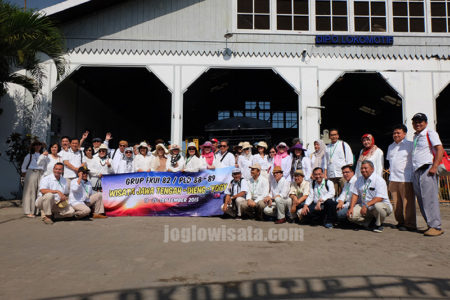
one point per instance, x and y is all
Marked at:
(36, 4)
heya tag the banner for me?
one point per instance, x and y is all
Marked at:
(165, 193)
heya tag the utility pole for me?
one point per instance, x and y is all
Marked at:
(25, 5)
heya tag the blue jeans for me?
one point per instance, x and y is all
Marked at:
(342, 214)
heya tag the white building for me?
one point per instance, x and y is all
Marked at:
(157, 68)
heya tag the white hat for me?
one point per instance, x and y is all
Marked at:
(282, 144)
(192, 144)
(246, 145)
(262, 144)
(256, 166)
(160, 146)
(103, 146)
(174, 146)
(144, 145)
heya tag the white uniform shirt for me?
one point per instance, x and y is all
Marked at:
(227, 161)
(262, 161)
(47, 162)
(244, 163)
(234, 188)
(180, 163)
(62, 151)
(50, 182)
(75, 159)
(33, 165)
(320, 191)
(116, 157)
(346, 194)
(378, 163)
(373, 187)
(258, 189)
(144, 163)
(400, 161)
(422, 153)
(282, 188)
(194, 164)
(334, 158)
(100, 166)
(79, 193)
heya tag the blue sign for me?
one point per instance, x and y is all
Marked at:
(354, 39)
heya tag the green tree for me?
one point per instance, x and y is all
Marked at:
(23, 35)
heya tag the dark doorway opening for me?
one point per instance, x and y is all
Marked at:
(359, 103)
(221, 94)
(443, 119)
(131, 103)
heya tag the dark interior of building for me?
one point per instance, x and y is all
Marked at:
(443, 118)
(359, 103)
(132, 103)
(253, 93)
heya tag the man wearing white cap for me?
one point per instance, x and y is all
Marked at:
(257, 192)
(235, 194)
(278, 201)
(225, 157)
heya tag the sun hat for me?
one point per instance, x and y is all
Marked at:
(282, 144)
(297, 146)
(144, 145)
(277, 169)
(299, 172)
(160, 146)
(246, 145)
(262, 144)
(103, 147)
(206, 144)
(174, 147)
(256, 166)
(192, 144)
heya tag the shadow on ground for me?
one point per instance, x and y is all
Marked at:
(344, 287)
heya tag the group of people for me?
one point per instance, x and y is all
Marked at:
(287, 183)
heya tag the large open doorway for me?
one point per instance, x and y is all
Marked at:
(442, 115)
(359, 103)
(131, 103)
(246, 94)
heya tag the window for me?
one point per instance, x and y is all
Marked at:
(250, 114)
(278, 119)
(408, 15)
(264, 115)
(440, 15)
(370, 15)
(291, 119)
(331, 15)
(264, 105)
(250, 104)
(253, 14)
(223, 114)
(293, 15)
(238, 113)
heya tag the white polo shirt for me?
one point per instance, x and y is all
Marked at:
(258, 189)
(373, 187)
(79, 193)
(281, 188)
(335, 158)
(422, 154)
(400, 161)
(75, 159)
(346, 194)
(320, 191)
(50, 182)
(228, 161)
(235, 188)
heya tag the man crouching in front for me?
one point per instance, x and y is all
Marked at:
(82, 199)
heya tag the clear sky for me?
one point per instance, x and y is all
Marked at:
(36, 4)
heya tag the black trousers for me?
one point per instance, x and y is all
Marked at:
(327, 214)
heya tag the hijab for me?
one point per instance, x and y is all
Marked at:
(369, 151)
(319, 154)
(279, 157)
(209, 157)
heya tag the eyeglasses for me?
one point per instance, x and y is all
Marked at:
(128, 152)
(122, 145)
(191, 149)
(272, 152)
(102, 150)
(223, 146)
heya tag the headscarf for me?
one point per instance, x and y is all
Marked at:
(279, 157)
(368, 152)
(209, 157)
(319, 154)
(174, 159)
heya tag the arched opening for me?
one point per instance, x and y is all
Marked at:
(442, 115)
(131, 103)
(254, 104)
(359, 103)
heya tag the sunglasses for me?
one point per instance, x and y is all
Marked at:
(102, 150)
(272, 152)
(89, 150)
(128, 152)
(223, 146)
(190, 149)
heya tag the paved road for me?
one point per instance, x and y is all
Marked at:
(127, 258)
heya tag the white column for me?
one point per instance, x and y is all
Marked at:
(310, 103)
(176, 132)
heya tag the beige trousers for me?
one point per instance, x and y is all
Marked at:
(379, 212)
(47, 205)
(404, 200)
(30, 190)
(339, 183)
(83, 210)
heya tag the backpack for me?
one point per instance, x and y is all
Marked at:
(326, 184)
(444, 166)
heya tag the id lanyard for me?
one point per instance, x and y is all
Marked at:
(334, 150)
(319, 189)
(254, 184)
(86, 189)
(366, 186)
(347, 191)
(416, 139)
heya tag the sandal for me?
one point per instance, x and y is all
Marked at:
(30, 216)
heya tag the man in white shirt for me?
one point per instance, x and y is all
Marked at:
(258, 190)
(52, 197)
(299, 192)
(401, 188)
(117, 154)
(82, 198)
(73, 159)
(235, 194)
(225, 157)
(320, 205)
(337, 155)
(278, 201)
(427, 156)
(344, 199)
(65, 145)
(370, 199)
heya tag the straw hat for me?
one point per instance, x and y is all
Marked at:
(192, 144)
(262, 144)
(143, 145)
(277, 169)
(246, 145)
(160, 146)
(256, 166)
(103, 147)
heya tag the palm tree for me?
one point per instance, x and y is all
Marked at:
(24, 34)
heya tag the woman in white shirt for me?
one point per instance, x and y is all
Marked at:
(300, 161)
(193, 161)
(142, 161)
(89, 156)
(370, 152)
(48, 160)
(245, 160)
(262, 159)
(32, 172)
(125, 164)
(175, 162)
(159, 161)
(101, 165)
(318, 154)
(209, 157)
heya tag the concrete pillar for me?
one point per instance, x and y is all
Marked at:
(310, 105)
